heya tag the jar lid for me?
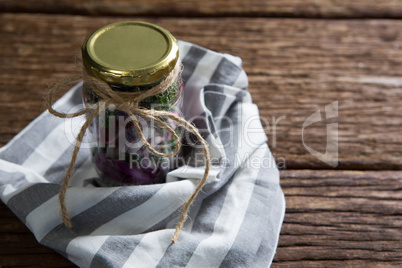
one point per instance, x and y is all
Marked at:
(130, 53)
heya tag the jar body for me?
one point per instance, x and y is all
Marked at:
(119, 156)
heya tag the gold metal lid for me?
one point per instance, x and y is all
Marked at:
(130, 53)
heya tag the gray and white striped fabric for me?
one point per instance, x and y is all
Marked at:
(234, 222)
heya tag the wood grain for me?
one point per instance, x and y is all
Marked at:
(341, 219)
(295, 67)
(199, 8)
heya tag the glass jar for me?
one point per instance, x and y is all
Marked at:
(131, 56)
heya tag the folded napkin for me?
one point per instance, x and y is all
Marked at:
(234, 222)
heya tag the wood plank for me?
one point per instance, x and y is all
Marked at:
(333, 219)
(199, 8)
(295, 67)
(341, 219)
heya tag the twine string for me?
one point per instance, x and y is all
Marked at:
(127, 102)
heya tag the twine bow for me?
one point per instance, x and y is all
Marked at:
(128, 102)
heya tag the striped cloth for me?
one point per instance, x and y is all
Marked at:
(234, 222)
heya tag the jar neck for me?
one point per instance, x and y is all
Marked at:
(133, 88)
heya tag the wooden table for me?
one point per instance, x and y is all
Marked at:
(299, 56)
